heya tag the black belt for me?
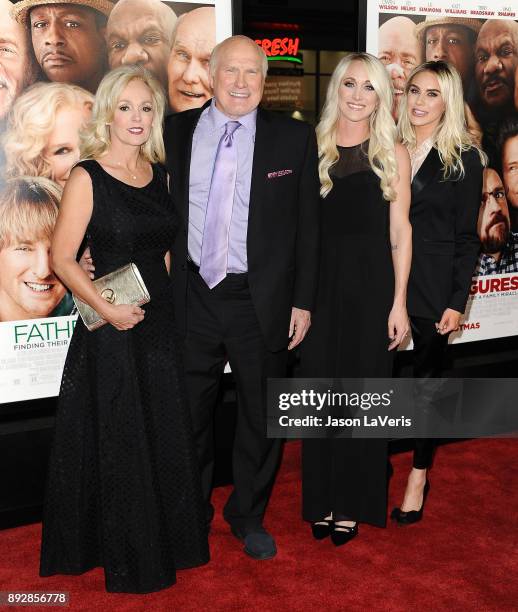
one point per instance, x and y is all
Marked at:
(194, 268)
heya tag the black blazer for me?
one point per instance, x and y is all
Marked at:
(445, 243)
(283, 219)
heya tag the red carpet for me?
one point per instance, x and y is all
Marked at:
(463, 556)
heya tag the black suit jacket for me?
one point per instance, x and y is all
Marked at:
(283, 219)
(445, 243)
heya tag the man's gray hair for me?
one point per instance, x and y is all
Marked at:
(213, 62)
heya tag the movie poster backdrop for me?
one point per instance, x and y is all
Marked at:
(53, 55)
(481, 41)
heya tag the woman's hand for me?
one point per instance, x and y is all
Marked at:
(449, 321)
(122, 316)
(398, 326)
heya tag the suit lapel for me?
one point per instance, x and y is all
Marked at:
(428, 171)
(264, 144)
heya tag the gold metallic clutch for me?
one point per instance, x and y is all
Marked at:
(122, 286)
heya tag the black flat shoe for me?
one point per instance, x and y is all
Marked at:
(322, 529)
(341, 534)
(412, 516)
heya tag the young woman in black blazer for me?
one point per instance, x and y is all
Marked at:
(446, 190)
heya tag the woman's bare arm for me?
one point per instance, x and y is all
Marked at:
(401, 243)
(75, 212)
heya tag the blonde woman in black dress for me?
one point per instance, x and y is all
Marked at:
(124, 489)
(360, 315)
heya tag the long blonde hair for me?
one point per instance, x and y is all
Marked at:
(451, 137)
(381, 153)
(31, 121)
(95, 138)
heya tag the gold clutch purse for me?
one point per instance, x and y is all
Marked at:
(122, 286)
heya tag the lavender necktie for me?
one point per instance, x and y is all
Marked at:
(214, 249)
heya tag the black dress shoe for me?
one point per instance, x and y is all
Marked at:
(322, 529)
(341, 534)
(259, 544)
(412, 516)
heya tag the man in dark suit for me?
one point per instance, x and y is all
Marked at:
(244, 267)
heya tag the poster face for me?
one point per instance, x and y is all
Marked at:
(52, 58)
(481, 41)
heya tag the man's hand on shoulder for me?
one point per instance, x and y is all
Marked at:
(299, 325)
(87, 264)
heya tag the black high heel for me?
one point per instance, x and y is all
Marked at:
(321, 530)
(412, 516)
(342, 534)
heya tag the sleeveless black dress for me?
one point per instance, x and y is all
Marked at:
(348, 338)
(123, 489)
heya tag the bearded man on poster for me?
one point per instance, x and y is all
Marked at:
(67, 38)
(496, 61)
(507, 145)
(499, 245)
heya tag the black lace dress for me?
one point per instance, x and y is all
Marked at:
(348, 338)
(123, 489)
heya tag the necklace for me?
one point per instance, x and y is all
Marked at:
(133, 176)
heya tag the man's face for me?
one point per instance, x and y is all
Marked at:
(28, 287)
(16, 68)
(139, 32)
(496, 58)
(493, 217)
(510, 170)
(188, 67)
(68, 45)
(451, 43)
(238, 80)
(399, 50)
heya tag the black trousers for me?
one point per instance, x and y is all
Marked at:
(428, 360)
(222, 325)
